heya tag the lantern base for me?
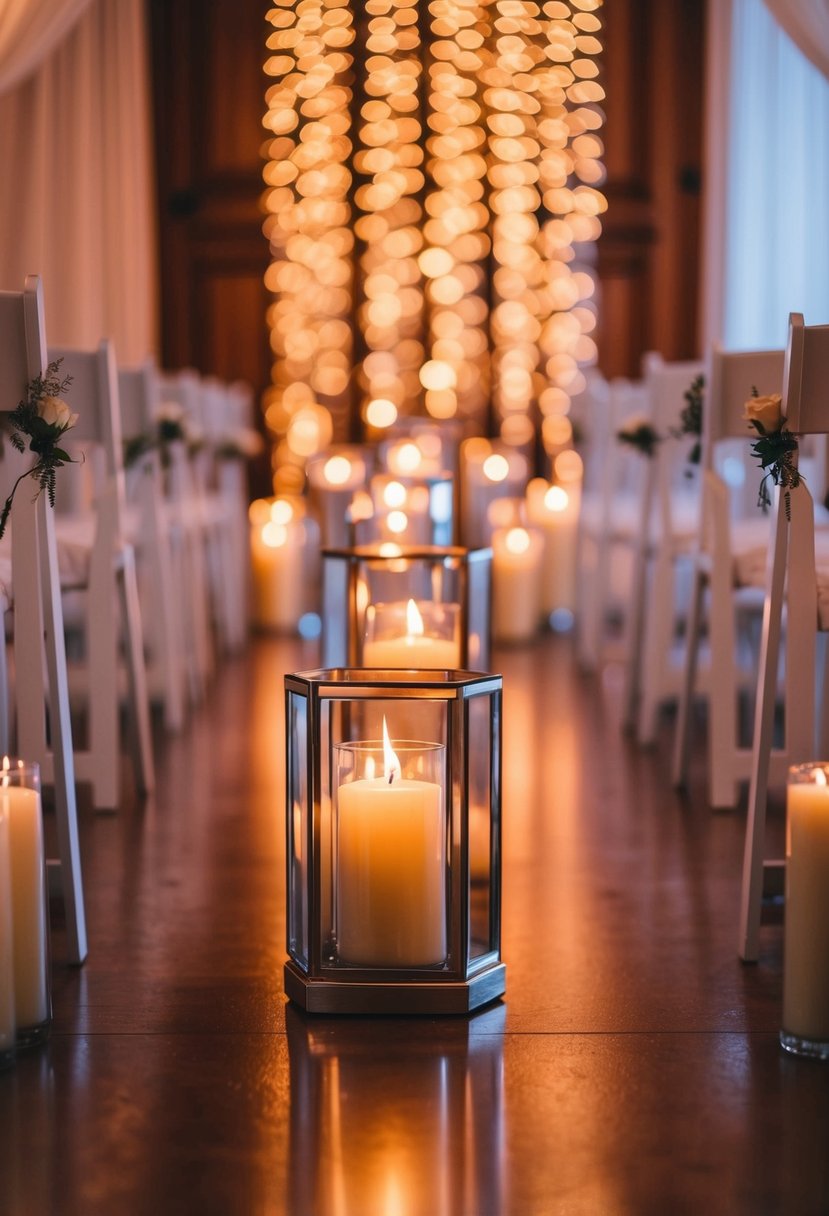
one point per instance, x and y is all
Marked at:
(450, 997)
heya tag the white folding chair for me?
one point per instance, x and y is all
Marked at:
(732, 533)
(798, 583)
(97, 562)
(666, 538)
(40, 684)
(164, 609)
(610, 517)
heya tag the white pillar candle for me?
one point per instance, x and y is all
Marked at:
(28, 890)
(516, 583)
(391, 882)
(806, 936)
(7, 1014)
(277, 556)
(554, 510)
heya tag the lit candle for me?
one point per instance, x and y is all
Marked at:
(21, 805)
(414, 649)
(7, 1018)
(391, 882)
(277, 567)
(806, 937)
(554, 510)
(516, 583)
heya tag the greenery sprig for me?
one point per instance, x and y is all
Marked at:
(776, 449)
(690, 419)
(638, 433)
(38, 424)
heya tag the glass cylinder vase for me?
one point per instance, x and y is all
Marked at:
(806, 926)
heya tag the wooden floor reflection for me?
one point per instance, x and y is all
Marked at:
(633, 1067)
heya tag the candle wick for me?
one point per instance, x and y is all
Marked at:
(391, 776)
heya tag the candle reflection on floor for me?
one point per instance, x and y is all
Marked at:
(384, 1123)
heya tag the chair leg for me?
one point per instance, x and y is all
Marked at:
(751, 894)
(35, 519)
(682, 739)
(657, 637)
(5, 725)
(102, 766)
(139, 704)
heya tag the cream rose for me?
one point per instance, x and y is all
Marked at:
(55, 412)
(765, 412)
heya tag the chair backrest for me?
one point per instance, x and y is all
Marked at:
(137, 389)
(666, 385)
(730, 379)
(806, 384)
(22, 357)
(93, 395)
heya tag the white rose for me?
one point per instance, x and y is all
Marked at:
(55, 412)
(633, 424)
(765, 412)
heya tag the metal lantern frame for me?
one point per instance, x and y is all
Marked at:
(344, 612)
(472, 973)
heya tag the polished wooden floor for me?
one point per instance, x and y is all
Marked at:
(633, 1067)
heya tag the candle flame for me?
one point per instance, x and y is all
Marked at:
(556, 499)
(414, 621)
(371, 768)
(517, 540)
(394, 494)
(391, 764)
(496, 467)
(397, 521)
(337, 470)
(820, 776)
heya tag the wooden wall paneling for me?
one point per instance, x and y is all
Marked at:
(209, 101)
(649, 250)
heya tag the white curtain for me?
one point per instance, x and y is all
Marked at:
(76, 187)
(29, 30)
(768, 175)
(807, 24)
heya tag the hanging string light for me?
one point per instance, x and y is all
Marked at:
(433, 180)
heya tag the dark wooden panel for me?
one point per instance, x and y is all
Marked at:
(649, 251)
(209, 100)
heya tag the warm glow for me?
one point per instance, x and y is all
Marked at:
(556, 499)
(406, 458)
(414, 621)
(517, 540)
(568, 466)
(496, 467)
(381, 413)
(397, 522)
(433, 181)
(819, 775)
(274, 536)
(337, 470)
(394, 494)
(391, 764)
(282, 512)
(389, 549)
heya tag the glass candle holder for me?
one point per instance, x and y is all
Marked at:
(488, 472)
(383, 769)
(416, 633)
(366, 592)
(8, 1025)
(408, 510)
(334, 478)
(20, 798)
(285, 563)
(806, 920)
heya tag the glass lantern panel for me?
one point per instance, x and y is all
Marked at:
(480, 825)
(384, 858)
(298, 829)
